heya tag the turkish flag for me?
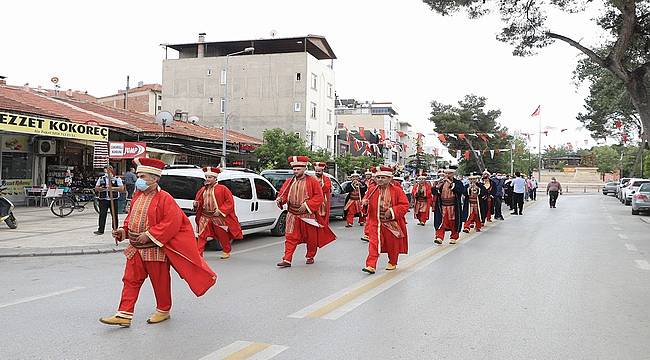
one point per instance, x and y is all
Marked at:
(537, 111)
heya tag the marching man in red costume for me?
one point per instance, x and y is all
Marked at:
(447, 215)
(370, 183)
(474, 205)
(423, 199)
(356, 190)
(215, 213)
(326, 185)
(159, 235)
(387, 207)
(304, 196)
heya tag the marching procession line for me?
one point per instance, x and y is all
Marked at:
(240, 350)
(39, 297)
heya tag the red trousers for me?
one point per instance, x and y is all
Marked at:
(352, 211)
(473, 218)
(213, 230)
(373, 253)
(422, 217)
(303, 233)
(488, 215)
(447, 224)
(135, 273)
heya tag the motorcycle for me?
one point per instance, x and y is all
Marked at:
(6, 208)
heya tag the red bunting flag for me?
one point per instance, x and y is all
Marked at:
(467, 152)
(420, 136)
(362, 132)
(382, 135)
(442, 138)
(357, 145)
(618, 124)
(503, 134)
(400, 133)
(483, 137)
(461, 136)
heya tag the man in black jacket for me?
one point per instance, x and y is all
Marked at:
(499, 182)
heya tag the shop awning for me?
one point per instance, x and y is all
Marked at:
(160, 151)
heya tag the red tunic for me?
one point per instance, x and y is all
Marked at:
(225, 210)
(423, 201)
(171, 229)
(390, 233)
(324, 209)
(308, 191)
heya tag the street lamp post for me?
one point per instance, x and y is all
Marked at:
(225, 105)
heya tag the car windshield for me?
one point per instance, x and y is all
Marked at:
(645, 187)
(639, 183)
(181, 187)
(277, 179)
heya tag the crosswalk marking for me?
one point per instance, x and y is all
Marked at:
(240, 350)
(642, 264)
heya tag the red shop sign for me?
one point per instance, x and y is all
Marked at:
(127, 150)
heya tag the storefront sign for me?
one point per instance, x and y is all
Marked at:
(50, 127)
(127, 150)
(16, 187)
(14, 143)
(247, 148)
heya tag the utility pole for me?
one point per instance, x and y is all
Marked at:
(126, 94)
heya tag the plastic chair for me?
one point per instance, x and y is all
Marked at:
(50, 196)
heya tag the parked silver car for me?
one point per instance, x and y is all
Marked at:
(610, 188)
(631, 188)
(641, 200)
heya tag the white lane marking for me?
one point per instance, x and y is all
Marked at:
(623, 236)
(256, 248)
(39, 297)
(643, 264)
(617, 228)
(630, 247)
(269, 351)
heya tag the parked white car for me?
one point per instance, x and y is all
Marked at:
(631, 188)
(254, 196)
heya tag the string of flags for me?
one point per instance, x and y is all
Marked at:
(367, 147)
(466, 154)
(485, 137)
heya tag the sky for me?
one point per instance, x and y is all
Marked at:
(397, 51)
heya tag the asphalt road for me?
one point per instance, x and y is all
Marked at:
(565, 283)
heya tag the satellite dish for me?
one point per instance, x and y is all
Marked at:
(165, 118)
(193, 119)
(54, 80)
(274, 33)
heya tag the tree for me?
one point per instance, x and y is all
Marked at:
(470, 117)
(279, 145)
(347, 163)
(607, 158)
(624, 52)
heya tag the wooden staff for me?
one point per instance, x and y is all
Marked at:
(114, 219)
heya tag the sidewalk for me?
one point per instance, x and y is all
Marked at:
(40, 233)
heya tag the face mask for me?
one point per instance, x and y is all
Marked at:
(141, 185)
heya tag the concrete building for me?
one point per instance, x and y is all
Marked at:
(144, 99)
(283, 83)
(374, 117)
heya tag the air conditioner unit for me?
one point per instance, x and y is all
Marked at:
(46, 147)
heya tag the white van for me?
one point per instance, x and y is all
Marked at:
(254, 196)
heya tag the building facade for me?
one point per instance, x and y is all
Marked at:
(272, 83)
(144, 99)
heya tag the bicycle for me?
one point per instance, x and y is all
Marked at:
(67, 203)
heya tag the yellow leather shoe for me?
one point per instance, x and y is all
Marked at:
(391, 266)
(225, 255)
(369, 270)
(157, 317)
(116, 320)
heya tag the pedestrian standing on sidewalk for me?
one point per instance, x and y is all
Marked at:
(105, 199)
(386, 205)
(129, 182)
(518, 191)
(160, 236)
(499, 183)
(533, 188)
(553, 189)
(507, 191)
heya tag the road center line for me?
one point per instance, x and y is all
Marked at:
(257, 247)
(240, 350)
(346, 300)
(630, 247)
(643, 264)
(39, 297)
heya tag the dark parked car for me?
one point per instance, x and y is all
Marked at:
(279, 176)
(610, 188)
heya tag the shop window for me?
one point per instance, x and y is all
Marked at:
(240, 188)
(16, 165)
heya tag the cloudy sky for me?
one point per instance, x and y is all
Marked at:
(395, 51)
